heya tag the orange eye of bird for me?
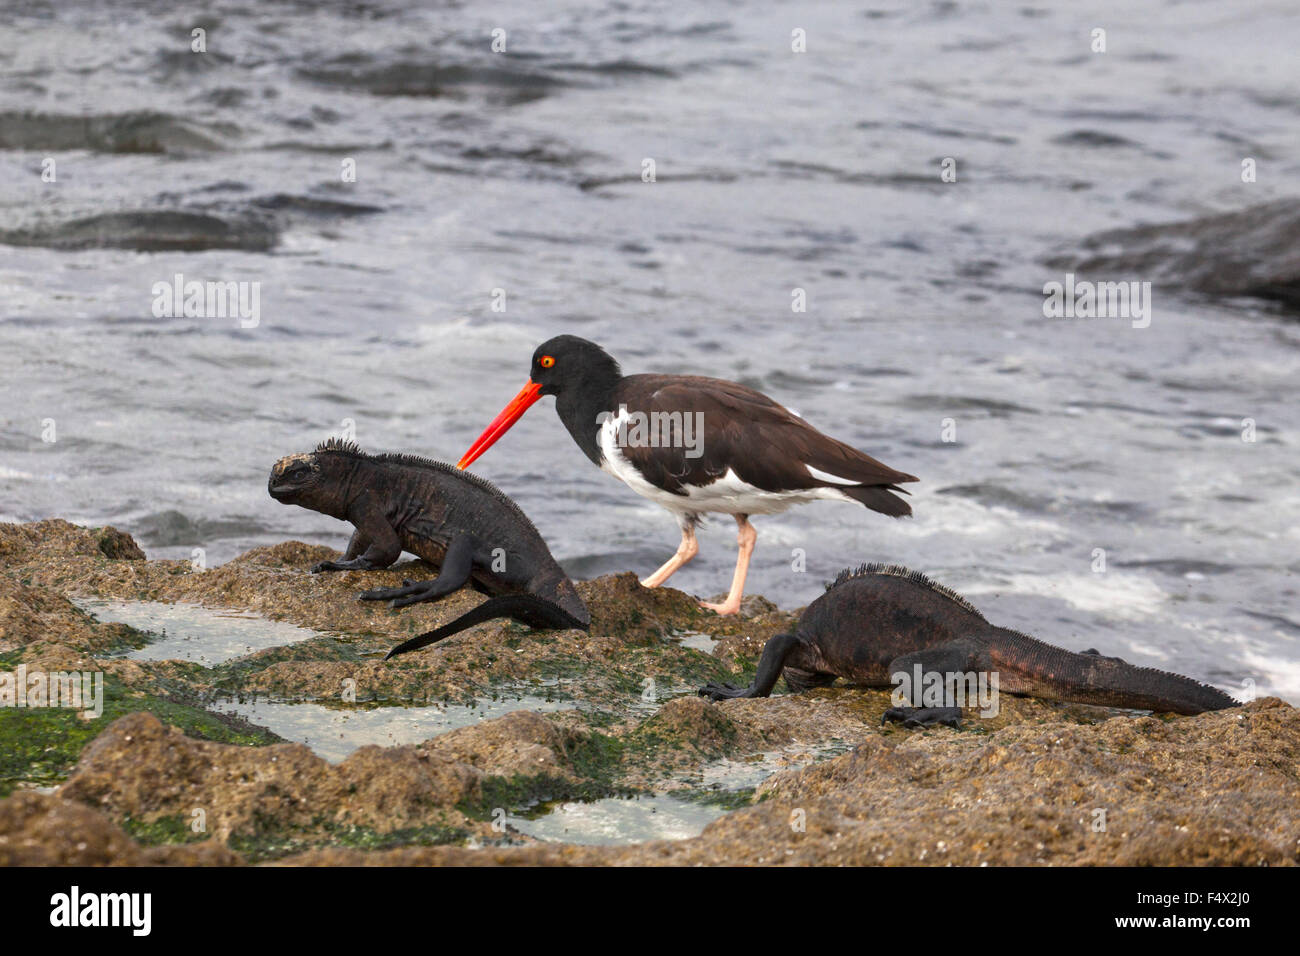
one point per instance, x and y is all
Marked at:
(546, 361)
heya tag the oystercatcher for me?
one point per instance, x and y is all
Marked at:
(695, 445)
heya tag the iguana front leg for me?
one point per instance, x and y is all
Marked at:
(958, 657)
(357, 545)
(374, 533)
(452, 575)
(770, 665)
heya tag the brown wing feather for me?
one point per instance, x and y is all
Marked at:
(766, 444)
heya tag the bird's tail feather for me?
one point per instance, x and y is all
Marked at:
(880, 498)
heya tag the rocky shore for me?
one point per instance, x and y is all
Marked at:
(163, 777)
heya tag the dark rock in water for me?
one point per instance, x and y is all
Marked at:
(149, 230)
(521, 79)
(250, 225)
(1253, 252)
(171, 528)
(1092, 139)
(418, 78)
(314, 206)
(142, 131)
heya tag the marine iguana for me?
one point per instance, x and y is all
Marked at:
(460, 523)
(880, 620)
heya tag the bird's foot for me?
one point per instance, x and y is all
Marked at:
(912, 717)
(723, 691)
(724, 608)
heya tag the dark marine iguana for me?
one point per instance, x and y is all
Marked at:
(460, 523)
(882, 620)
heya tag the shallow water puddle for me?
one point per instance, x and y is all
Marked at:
(190, 632)
(653, 696)
(335, 731)
(696, 640)
(619, 820)
(748, 772)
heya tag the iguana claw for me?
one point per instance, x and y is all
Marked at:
(723, 691)
(913, 717)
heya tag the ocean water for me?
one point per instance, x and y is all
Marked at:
(521, 171)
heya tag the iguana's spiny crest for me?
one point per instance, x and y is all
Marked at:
(899, 571)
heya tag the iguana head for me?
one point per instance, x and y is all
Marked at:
(322, 480)
(293, 479)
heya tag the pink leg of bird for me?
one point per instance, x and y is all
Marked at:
(745, 540)
(688, 549)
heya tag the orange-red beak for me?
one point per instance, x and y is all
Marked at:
(527, 396)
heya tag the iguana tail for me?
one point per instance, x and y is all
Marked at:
(524, 608)
(1121, 684)
(1090, 678)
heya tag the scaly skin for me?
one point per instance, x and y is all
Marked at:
(458, 522)
(881, 620)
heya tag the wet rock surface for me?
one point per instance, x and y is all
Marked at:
(1253, 252)
(177, 223)
(150, 230)
(141, 131)
(813, 778)
(41, 830)
(280, 792)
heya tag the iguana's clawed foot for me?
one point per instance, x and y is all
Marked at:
(913, 717)
(389, 594)
(411, 592)
(723, 691)
(356, 564)
(415, 597)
